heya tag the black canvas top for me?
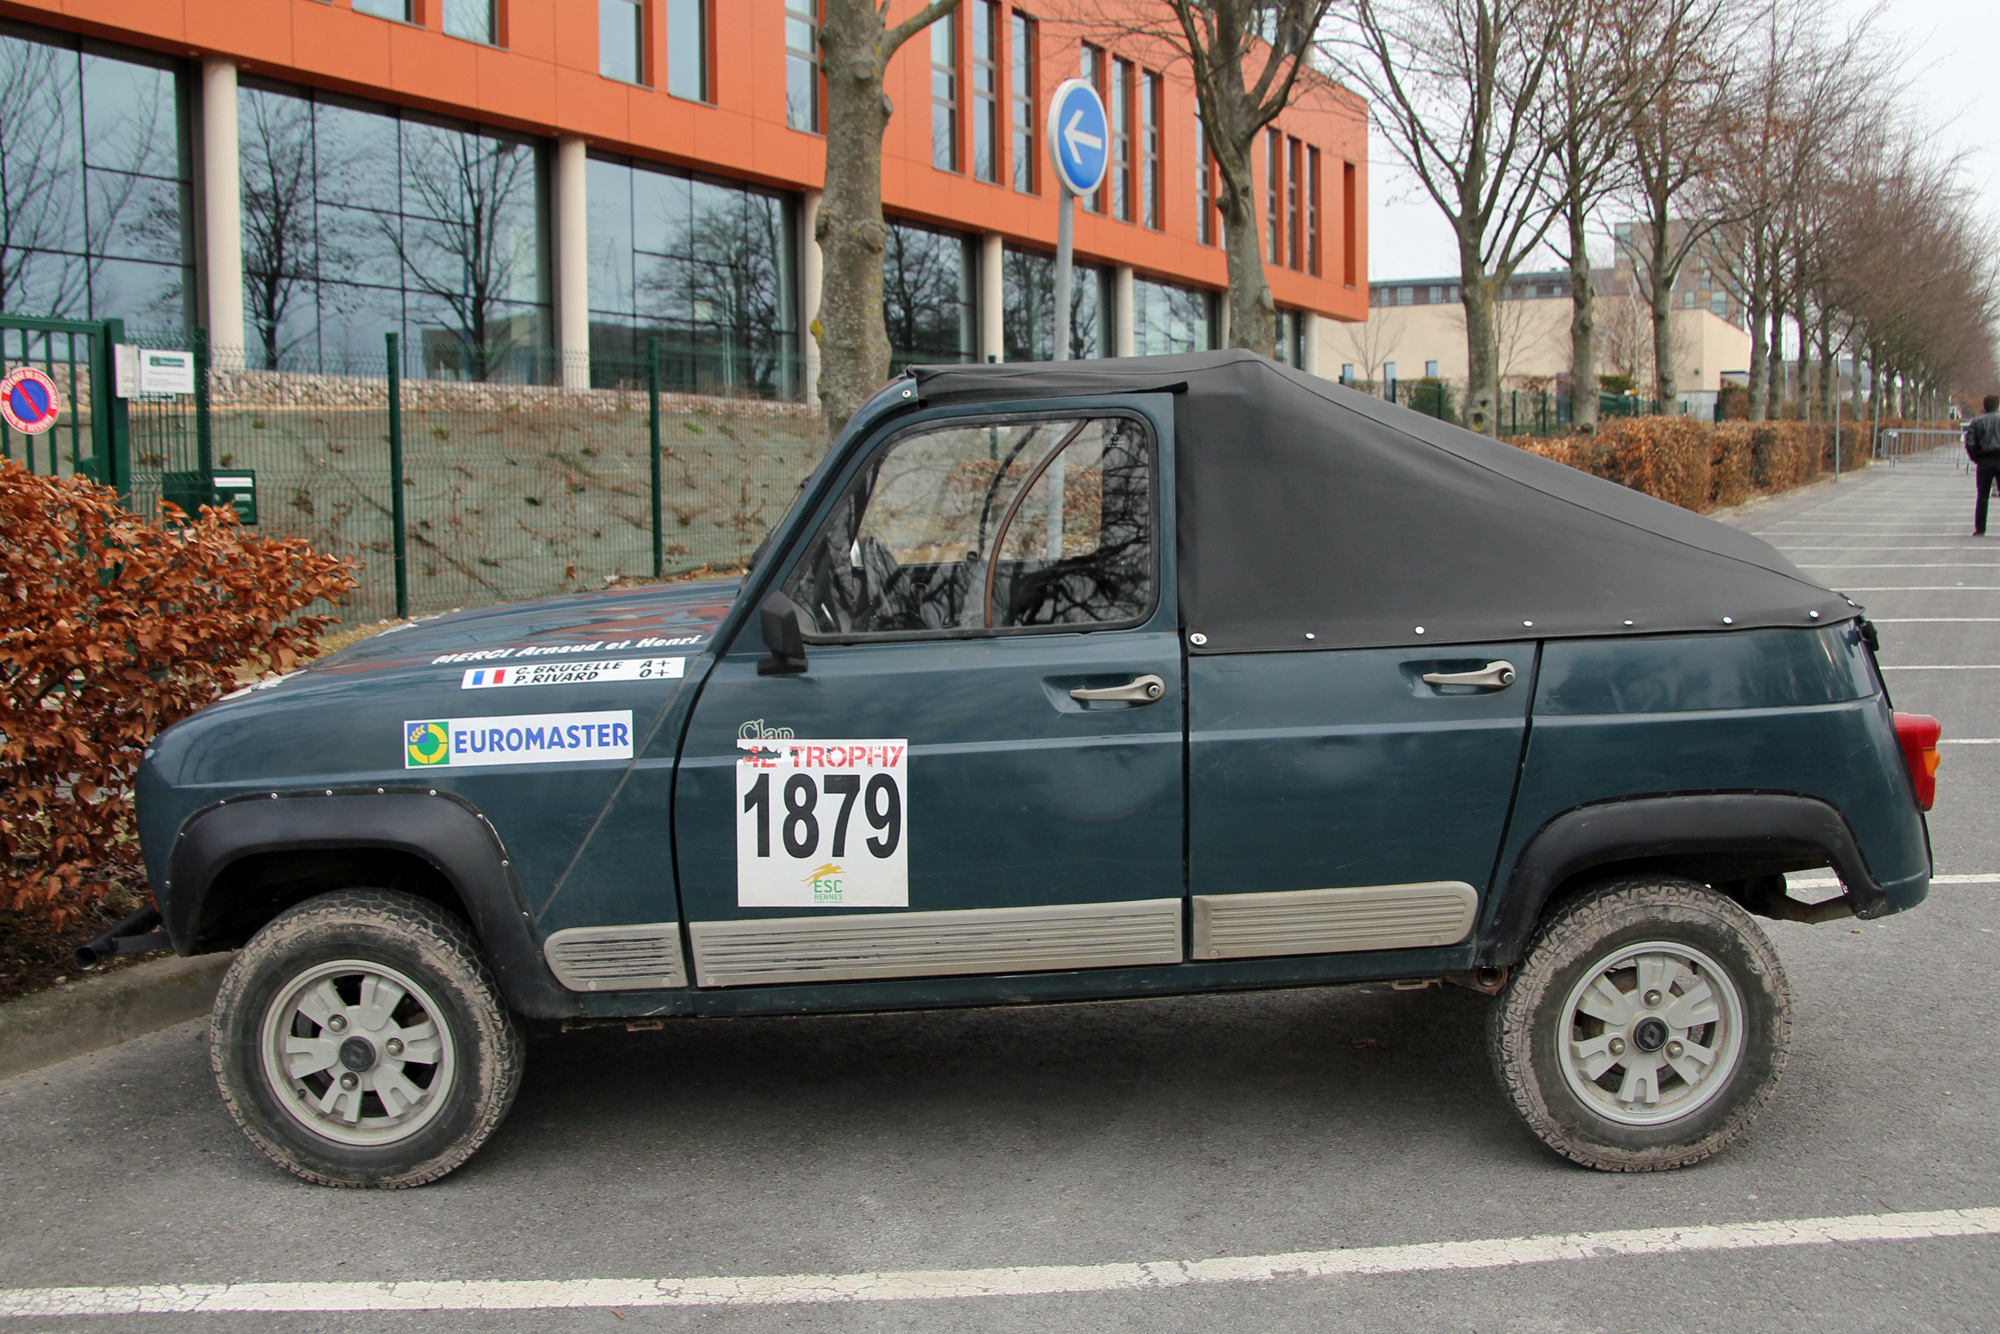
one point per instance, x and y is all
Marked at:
(1307, 508)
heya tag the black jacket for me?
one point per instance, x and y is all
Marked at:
(1982, 438)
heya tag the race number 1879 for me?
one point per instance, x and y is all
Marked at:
(822, 824)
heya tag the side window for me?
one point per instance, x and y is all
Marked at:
(1004, 524)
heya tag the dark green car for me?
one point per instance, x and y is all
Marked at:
(1062, 682)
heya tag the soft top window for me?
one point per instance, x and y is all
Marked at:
(1004, 524)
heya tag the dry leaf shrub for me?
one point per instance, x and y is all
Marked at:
(111, 628)
(1692, 463)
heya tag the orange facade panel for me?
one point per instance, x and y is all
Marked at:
(543, 78)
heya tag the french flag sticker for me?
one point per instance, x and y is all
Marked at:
(484, 676)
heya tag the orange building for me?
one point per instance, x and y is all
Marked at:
(496, 179)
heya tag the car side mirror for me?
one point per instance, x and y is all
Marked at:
(783, 635)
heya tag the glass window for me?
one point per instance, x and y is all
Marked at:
(362, 220)
(1004, 524)
(385, 9)
(1294, 206)
(621, 27)
(472, 20)
(986, 90)
(1291, 339)
(705, 267)
(687, 49)
(1431, 370)
(1090, 69)
(927, 287)
(1389, 372)
(1121, 139)
(1406, 296)
(1028, 294)
(1312, 212)
(1025, 34)
(802, 64)
(1347, 372)
(1274, 172)
(1166, 318)
(1718, 304)
(944, 93)
(1204, 185)
(1149, 147)
(94, 214)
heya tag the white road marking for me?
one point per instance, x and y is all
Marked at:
(955, 1284)
(1940, 666)
(1926, 588)
(1969, 741)
(1932, 620)
(1830, 882)
(1903, 565)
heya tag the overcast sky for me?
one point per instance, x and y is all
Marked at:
(1954, 63)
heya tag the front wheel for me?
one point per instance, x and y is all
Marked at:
(1647, 1027)
(359, 1040)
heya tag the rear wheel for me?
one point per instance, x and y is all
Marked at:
(359, 1040)
(1647, 1027)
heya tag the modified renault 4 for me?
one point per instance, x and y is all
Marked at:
(1062, 682)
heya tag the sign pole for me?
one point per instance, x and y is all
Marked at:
(1065, 227)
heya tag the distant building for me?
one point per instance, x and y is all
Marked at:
(1416, 330)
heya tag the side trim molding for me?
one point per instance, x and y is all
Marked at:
(617, 958)
(760, 951)
(1333, 921)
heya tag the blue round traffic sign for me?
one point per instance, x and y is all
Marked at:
(1079, 136)
(29, 401)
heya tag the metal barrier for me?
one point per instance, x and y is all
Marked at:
(1901, 442)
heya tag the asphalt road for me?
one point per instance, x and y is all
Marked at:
(1172, 1130)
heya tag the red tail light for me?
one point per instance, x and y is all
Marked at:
(1917, 734)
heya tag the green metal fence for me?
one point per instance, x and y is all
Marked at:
(1519, 412)
(453, 492)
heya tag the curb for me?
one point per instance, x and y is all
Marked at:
(101, 1012)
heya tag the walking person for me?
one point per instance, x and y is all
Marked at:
(1982, 446)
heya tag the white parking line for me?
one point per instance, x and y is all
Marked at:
(1940, 666)
(1901, 565)
(1969, 741)
(950, 1284)
(1932, 620)
(1926, 588)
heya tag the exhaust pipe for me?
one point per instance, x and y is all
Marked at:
(137, 934)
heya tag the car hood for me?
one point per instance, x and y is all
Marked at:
(656, 617)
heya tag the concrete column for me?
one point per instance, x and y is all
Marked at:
(1122, 309)
(992, 300)
(1222, 318)
(812, 272)
(1315, 328)
(572, 264)
(222, 212)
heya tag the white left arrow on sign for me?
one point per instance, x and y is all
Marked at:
(1073, 135)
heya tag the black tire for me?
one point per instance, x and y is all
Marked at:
(365, 945)
(1544, 1045)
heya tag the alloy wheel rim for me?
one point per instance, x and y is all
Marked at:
(358, 1053)
(1651, 1033)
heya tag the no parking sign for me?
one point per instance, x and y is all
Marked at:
(28, 401)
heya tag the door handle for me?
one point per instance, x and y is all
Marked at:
(1140, 690)
(1494, 676)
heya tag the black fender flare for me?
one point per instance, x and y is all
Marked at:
(443, 830)
(1773, 825)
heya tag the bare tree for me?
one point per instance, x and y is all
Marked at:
(476, 250)
(1247, 60)
(1375, 339)
(1459, 90)
(279, 184)
(1592, 97)
(856, 42)
(1680, 114)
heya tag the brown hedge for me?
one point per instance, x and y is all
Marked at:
(111, 628)
(1697, 465)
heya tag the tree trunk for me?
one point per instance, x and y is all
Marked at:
(1253, 312)
(1582, 327)
(855, 48)
(1774, 369)
(1757, 307)
(1660, 295)
(1805, 357)
(1482, 342)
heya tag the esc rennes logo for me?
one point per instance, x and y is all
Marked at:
(426, 743)
(825, 883)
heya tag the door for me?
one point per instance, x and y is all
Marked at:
(1349, 800)
(979, 769)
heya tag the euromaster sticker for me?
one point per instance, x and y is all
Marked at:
(531, 738)
(822, 824)
(574, 673)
